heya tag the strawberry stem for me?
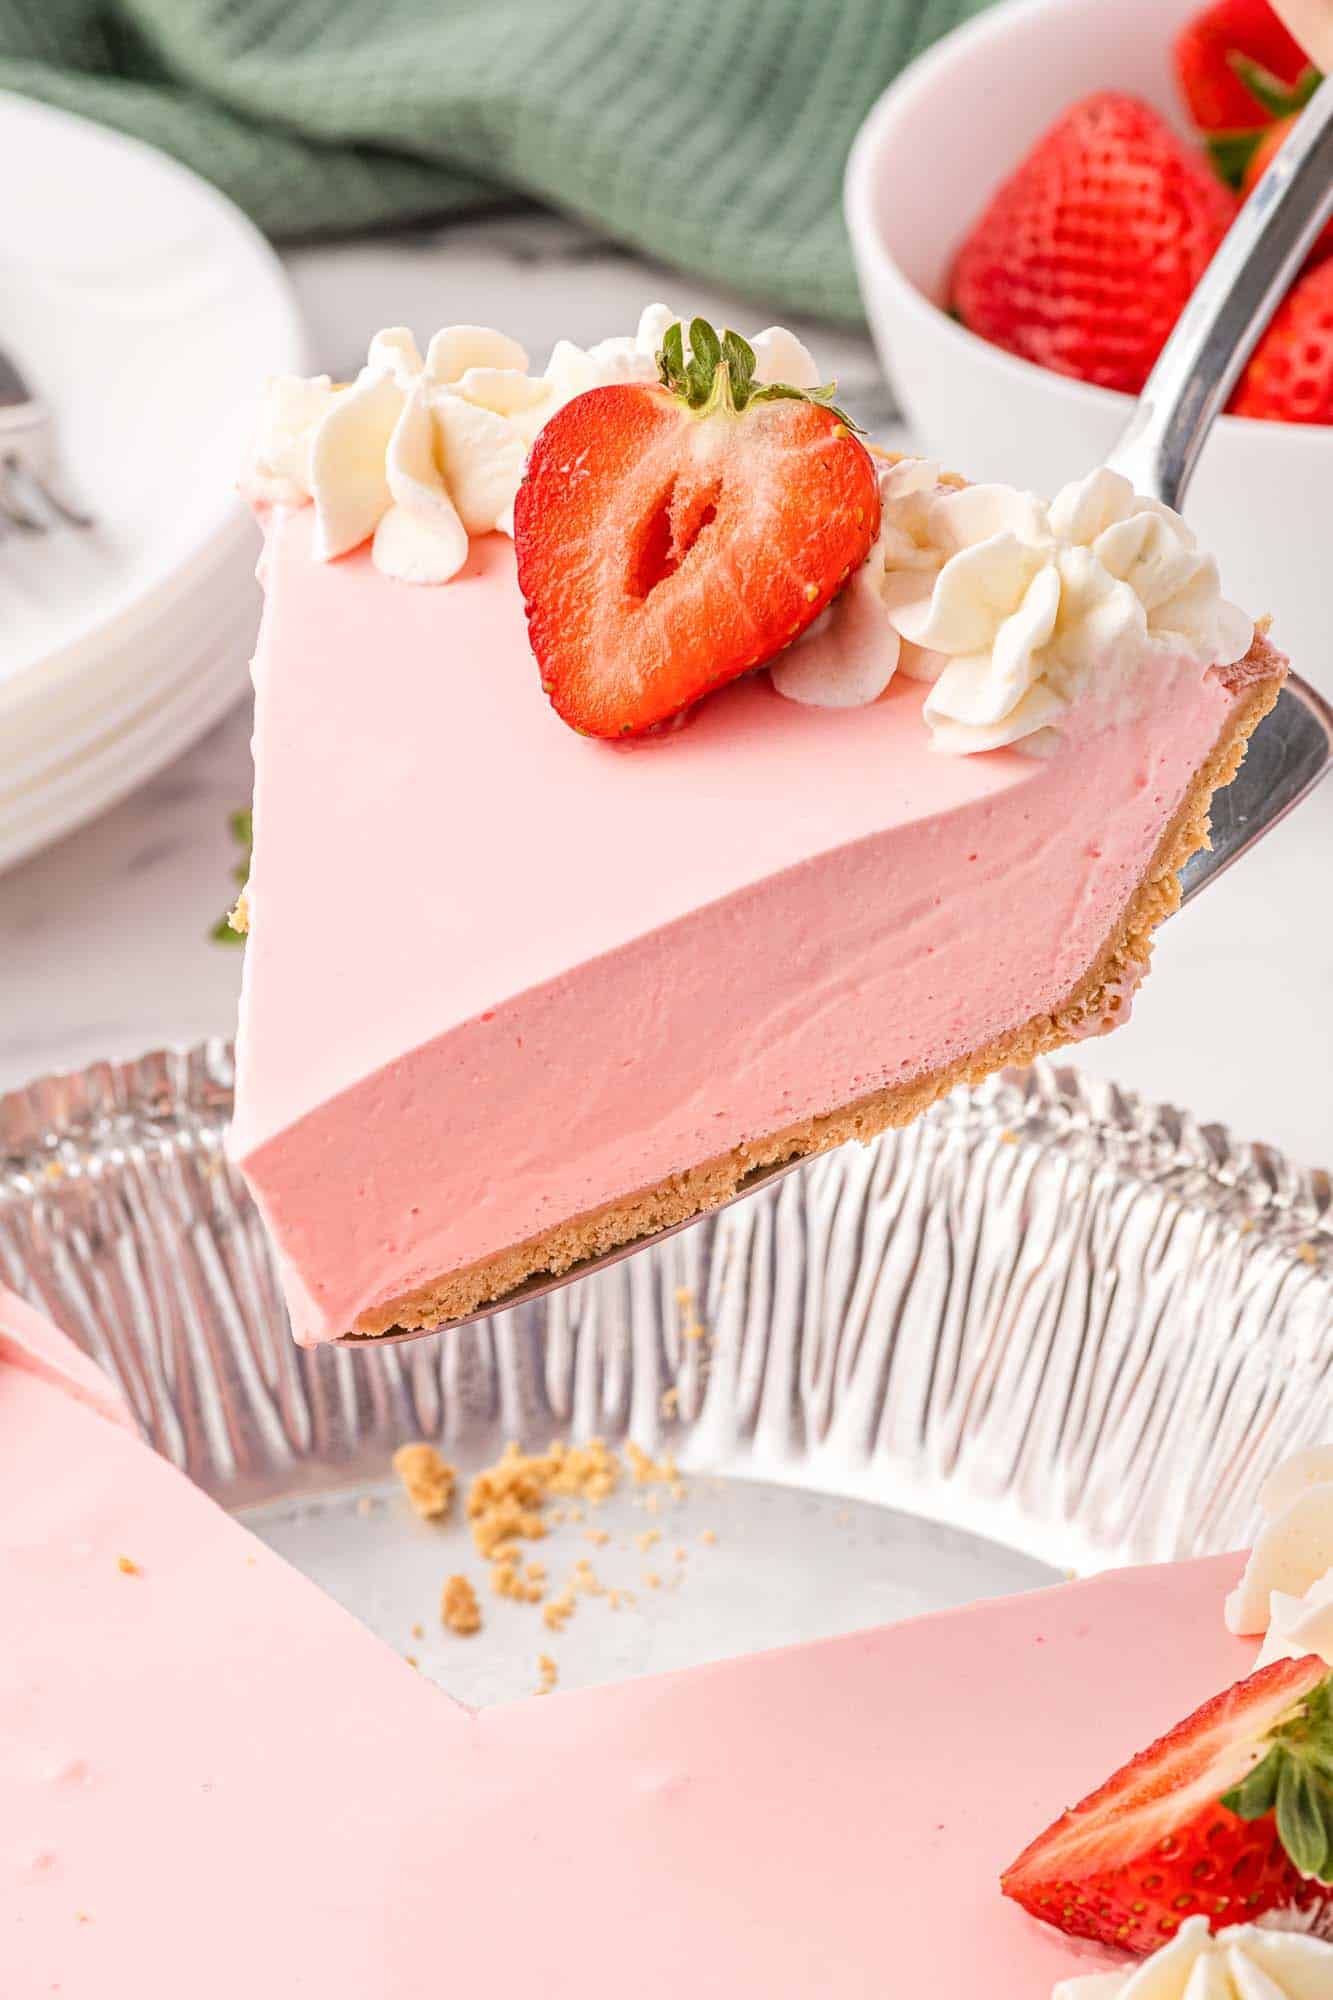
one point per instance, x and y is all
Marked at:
(1279, 99)
(1295, 1780)
(719, 374)
(1231, 153)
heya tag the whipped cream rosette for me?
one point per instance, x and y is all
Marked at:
(1286, 1591)
(1025, 616)
(1245, 1962)
(417, 456)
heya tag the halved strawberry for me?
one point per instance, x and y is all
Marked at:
(671, 537)
(1228, 1816)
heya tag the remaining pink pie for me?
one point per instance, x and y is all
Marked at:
(211, 1777)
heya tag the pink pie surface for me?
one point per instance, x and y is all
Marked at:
(214, 1780)
(500, 975)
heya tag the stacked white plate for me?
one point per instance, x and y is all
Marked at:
(145, 311)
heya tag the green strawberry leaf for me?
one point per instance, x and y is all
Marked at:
(1257, 1793)
(1231, 153)
(779, 392)
(706, 355)
(720, 373)
(671, 359)
(1301, 1826)
(1295, 1779)
(741, 364)
(1278, 99)
(242, 827)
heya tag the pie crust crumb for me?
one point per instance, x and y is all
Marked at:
(459, 1609)
(648, 1471)
(428, 1479)
(506, 1501)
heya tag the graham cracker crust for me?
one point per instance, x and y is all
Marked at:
(1093, 1003)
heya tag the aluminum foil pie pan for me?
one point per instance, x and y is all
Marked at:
(1047, 1326)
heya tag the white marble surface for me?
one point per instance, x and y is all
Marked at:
(104, 945)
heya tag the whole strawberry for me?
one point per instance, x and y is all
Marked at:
(1228, 1817)
(1289, 376)
(1087, 253)
(672, 537)
(1239, 68)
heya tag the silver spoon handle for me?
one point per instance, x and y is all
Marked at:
(1229, 308)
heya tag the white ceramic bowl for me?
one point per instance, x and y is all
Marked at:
(928, 156)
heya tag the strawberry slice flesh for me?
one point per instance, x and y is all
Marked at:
(1155, 1845)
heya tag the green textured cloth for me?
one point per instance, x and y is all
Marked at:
(711, 133)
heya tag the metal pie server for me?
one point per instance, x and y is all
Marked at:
(1195, 372)
(1258, 258)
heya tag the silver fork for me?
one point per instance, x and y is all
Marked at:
(1292, 748)
(29, 503)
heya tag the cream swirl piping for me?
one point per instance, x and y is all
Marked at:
(1299, 1626)
(850, 654)
(414, 456)
(417, 456)
(1036, 610)
(1287, 1586)
(779, 357)
(1021, 613)
(1244, 1962)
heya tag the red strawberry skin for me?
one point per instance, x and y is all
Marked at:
(1087, 253)
(1289, 376)
(663, 551)
(1154, 1845)
(1218, 99)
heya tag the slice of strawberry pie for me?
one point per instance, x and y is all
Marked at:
(756, 792)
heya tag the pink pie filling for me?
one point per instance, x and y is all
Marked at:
(213, 1780)
(500, 975)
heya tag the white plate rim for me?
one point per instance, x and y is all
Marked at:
(279, 299)
(92, 726)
